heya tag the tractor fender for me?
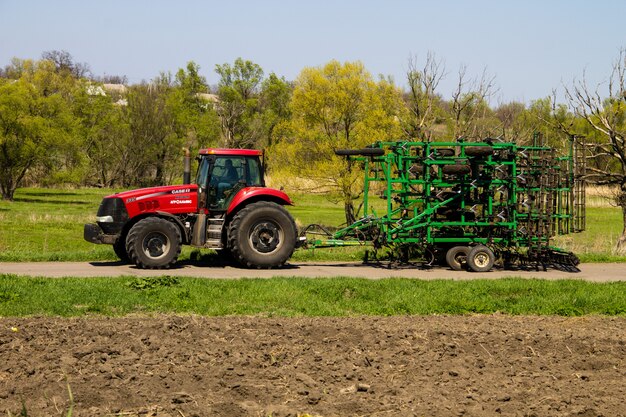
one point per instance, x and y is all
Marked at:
(163, 214)
(251, 194)
(178, 222)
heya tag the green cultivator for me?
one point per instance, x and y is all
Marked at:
(472, 204)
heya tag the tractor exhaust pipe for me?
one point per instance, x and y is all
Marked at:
(187, 167)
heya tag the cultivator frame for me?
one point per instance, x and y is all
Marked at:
(472, 203)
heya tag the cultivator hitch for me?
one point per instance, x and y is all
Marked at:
(361, 233)
(473, 204)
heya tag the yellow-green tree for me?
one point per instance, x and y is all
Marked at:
(36, 123)
(336, 106)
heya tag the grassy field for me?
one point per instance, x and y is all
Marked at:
(44, 225)
(47, 225)
(24, 296)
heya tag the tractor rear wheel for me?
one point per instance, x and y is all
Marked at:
(262, 235)
(480, 259)
(154, 243)
(456, 257)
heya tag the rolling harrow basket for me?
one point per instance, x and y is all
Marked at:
(472, 204)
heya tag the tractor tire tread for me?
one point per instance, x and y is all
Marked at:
(243, 254)
(140, 229)
(119, 247)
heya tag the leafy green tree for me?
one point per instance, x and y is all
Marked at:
(195, 115)
(336, 106)
(15, 69)
(33, 126)
(238, 91)
(105, 134)
(163, 117)
(153, 137)
(274, 106)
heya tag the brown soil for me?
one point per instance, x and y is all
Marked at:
(365, 366)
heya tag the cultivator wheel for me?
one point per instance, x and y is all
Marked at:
(456, 257)
(480, 259)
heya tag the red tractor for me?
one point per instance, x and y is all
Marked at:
(228, 209)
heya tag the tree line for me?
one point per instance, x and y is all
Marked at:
(60, 124)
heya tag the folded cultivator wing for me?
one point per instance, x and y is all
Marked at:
(472, 204)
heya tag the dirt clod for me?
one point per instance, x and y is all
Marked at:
(362, 387)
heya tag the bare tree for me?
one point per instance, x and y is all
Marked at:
(422, 97)
(512, 121)
(607, 119)
(112, 79)
(63, 61)
(469, 102)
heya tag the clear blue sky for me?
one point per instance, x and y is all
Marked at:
(531, 46)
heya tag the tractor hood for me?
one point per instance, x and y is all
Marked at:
(173, 199)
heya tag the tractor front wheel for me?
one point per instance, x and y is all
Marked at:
(119, 247)
(154, 243)
(262, 235)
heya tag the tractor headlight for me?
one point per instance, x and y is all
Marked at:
(112, 215)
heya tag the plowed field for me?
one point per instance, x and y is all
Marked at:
(363, 366)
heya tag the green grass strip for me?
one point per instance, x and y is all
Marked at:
(27, 296)
(47, 225)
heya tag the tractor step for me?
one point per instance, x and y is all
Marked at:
(214, 233)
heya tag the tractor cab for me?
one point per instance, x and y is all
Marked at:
(223, 172)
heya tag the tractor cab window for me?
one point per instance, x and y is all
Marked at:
(227, 177)
(228, 170)
(202, 178)
(253, 172)
(203, 172)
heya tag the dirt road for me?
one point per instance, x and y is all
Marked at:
(591, 272)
